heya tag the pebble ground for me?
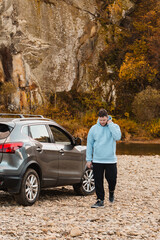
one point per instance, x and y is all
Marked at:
(60, 214)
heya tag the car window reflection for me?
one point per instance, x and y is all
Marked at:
(25, 130)
(59, 136)
(40, 133)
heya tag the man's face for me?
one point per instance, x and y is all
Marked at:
(103, 120)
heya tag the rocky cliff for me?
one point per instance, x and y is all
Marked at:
(52, 45)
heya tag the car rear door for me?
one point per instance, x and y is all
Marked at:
(70, 159)
(46, 153)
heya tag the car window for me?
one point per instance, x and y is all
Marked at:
(39, 133)
(59, 136)
(5, 130)
(25, 130)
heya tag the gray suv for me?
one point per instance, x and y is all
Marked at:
(36, 153)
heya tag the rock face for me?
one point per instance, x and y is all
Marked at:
(48, 46)
(43, 43)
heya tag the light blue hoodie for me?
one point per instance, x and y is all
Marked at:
(101, 143)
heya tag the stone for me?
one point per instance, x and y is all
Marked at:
(75, 232)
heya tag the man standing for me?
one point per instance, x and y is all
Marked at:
(101, 152)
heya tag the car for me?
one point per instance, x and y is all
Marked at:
(37, 153)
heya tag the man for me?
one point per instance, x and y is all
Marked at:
(101, 152)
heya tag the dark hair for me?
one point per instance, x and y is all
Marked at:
(102, 113)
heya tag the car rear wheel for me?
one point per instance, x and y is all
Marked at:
(30, 188)
(87, 186)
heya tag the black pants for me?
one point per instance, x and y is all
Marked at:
(110, 171)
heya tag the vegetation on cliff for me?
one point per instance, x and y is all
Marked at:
(133, 53)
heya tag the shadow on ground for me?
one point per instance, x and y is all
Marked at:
(7, 199)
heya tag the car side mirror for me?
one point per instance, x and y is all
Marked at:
(78, 141)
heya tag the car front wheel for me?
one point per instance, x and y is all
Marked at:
(87, 186)
(30, 188)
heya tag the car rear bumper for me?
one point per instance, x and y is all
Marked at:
(10, 183)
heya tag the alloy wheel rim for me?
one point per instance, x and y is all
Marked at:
(88, 181)
(31, 189)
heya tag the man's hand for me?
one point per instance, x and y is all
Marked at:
(89, 164)
(109, 121)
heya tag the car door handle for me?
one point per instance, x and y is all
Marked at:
(38, 149)
(61, 151)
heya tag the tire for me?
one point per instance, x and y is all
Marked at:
(30, 188)
(86, 187)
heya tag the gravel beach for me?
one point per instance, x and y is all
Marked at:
(60, 214)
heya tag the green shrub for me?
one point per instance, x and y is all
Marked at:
(89, 119)
(153, 128)
(128, 127)
(146, 104)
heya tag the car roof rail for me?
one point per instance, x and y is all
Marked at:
(20, 115)
(32, 115)
(11, 114)
(31, 119)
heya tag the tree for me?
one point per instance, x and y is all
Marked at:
(146, 104)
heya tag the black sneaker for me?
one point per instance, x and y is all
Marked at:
(111, 197)
(99, 203)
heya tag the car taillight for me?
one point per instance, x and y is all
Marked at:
(10, 147)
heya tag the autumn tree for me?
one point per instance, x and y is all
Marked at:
(140, 66)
